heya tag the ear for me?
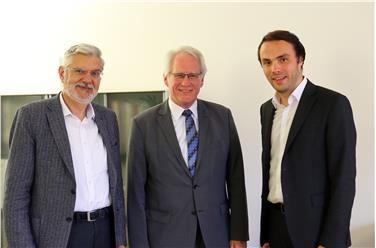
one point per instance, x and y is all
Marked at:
(301, 61)
(165, 79)
(202, 81)
(61, 73)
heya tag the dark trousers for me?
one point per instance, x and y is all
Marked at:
(93, 234)
(277, 228)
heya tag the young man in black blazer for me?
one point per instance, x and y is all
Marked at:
(308, 157)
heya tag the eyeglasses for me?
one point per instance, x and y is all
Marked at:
(77, 71)
(179, 76)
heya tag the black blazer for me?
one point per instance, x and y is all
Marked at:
(318, 169)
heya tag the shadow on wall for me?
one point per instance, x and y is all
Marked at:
(363, 236)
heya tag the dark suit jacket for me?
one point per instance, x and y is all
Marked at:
(40, 183)
(318, 169)
(164, 201)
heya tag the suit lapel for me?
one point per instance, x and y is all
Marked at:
(168, 130)
(305, 104)
(268, 115)
(57, 124)
(202, 133)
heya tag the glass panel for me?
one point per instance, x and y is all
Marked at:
(126, 106)
(9, 105)
(99, 99)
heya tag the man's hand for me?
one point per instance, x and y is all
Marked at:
(320, 246)
(266, 245)
(238, 244)
(121, 246)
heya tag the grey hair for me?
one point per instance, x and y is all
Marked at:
(188, 50)
(82, 48)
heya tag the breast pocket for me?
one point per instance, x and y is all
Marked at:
(217, 147)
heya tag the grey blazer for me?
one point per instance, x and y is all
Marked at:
(40, 183)
(165, 202)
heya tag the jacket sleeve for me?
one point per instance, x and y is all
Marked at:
(340, 147)
(236, 187)
(263, 219)
(137, 177)
(18, 182)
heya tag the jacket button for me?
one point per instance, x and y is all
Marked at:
(68, 219)
(193, 212)
(195, 186)
(73, 191)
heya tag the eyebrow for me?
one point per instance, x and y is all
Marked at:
(278, 57)
(283, 55)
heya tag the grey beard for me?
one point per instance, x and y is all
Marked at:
(69, 90)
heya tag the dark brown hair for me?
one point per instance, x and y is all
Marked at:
(286, 36)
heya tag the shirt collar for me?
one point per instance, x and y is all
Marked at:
(176, 110)
(90, 114)
(295, 95)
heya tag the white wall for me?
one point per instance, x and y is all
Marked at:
(134, 37)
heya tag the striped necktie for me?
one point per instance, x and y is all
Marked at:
(192, 141)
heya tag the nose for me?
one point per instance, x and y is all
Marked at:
(276, 67)
(87, 78)
(186, 80)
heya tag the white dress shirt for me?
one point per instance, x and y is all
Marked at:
(179, 123)
(89, 157)
(283, 117)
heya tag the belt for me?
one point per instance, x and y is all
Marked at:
(277, 206)
(92, 215)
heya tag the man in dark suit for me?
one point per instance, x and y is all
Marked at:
(308, 153)
(63, 180)
(186, 175)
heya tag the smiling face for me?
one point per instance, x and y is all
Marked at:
(184, 90)
(81, 79)
(281, 66)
